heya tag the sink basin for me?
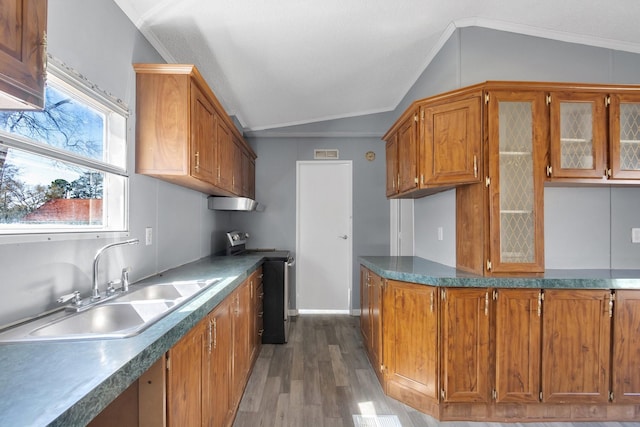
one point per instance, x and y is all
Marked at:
(121, 316)
(165, 291)
(116, 318)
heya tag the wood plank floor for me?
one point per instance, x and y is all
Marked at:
(322, 376)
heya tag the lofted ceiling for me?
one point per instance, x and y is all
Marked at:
(287, 62)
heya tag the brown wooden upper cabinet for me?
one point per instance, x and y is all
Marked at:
(595, 136)
(184, 136)
(23, 54)
(438, 145)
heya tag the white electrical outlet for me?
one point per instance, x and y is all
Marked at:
(635, 235)
(148, 236)
(440, 233)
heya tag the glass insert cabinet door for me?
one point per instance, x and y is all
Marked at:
(517, 122)
(578, 135)
(624, 139)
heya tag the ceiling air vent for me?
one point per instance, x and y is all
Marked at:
(325, 154)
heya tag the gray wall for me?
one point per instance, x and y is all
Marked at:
(276, 188)
(98, 40)
(584, 227)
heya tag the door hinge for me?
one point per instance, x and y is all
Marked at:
(610, 396)
(382, 369)
(540, 303)
(415, 117)
(475, 166)
(443, 294)
(486, 303)
(422, 178)
(486, 98)
(548, 99)
(487, 181)
(540, 396)
(489, 265)
(549, 170)
(494, 394)
(422, 117)
(607, 101)
(415, 180)
(608, 172)
(611, 299)
(168, 363)
(443, 394)
(495, 294)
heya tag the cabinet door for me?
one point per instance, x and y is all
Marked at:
(375, 314)
(624, 136)
(248, 175)
(241, 340)
(203, 139)
(184, 379)
(225, 148)
(517, 124)
(410, 339)
(408, 154)
(518, 345)
(236, 176)
(578, 135)
(23, 53)
(391, 149)
(465, 345)
(576, 346)
(626, 347)
(365, 318)
(451, 143)
(256, 313)
(217, 385)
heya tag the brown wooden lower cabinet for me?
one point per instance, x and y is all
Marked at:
(518, 345)
(626, 347)
(465, 345)
(576, 346)
(510, 354)
(410, 344)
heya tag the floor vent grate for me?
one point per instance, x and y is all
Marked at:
(376, 421)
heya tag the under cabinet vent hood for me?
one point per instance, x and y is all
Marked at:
(234, 204)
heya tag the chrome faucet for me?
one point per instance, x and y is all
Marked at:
(95, 293)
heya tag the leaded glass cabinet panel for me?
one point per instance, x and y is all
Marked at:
(624, 139)
(517, 123)
(578, 135)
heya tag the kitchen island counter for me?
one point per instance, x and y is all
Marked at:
(65, 383)
(419, 270)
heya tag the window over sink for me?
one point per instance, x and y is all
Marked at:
(63, 170)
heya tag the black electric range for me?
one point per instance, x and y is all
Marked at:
(275, 284)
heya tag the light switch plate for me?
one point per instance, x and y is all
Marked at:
(635, 235)
(148, 236)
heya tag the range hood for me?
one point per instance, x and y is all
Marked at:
(234, 204)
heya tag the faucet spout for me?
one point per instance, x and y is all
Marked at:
(95, 293)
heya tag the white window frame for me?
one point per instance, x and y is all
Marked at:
(116, 114)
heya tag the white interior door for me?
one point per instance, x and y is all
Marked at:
(323, 248)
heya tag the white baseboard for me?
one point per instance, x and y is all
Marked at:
(307, 311)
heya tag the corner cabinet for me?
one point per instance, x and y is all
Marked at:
(435, 145)
(184, 136)
(508, 354)
(23, 56)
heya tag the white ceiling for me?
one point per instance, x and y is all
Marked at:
(286, 62)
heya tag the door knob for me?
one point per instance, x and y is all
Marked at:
(344, 237)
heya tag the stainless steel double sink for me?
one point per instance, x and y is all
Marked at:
(124, 315)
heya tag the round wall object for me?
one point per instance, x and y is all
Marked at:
(370, 155)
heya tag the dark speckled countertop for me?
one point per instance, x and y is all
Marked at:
(68, 383)
(420, 270)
